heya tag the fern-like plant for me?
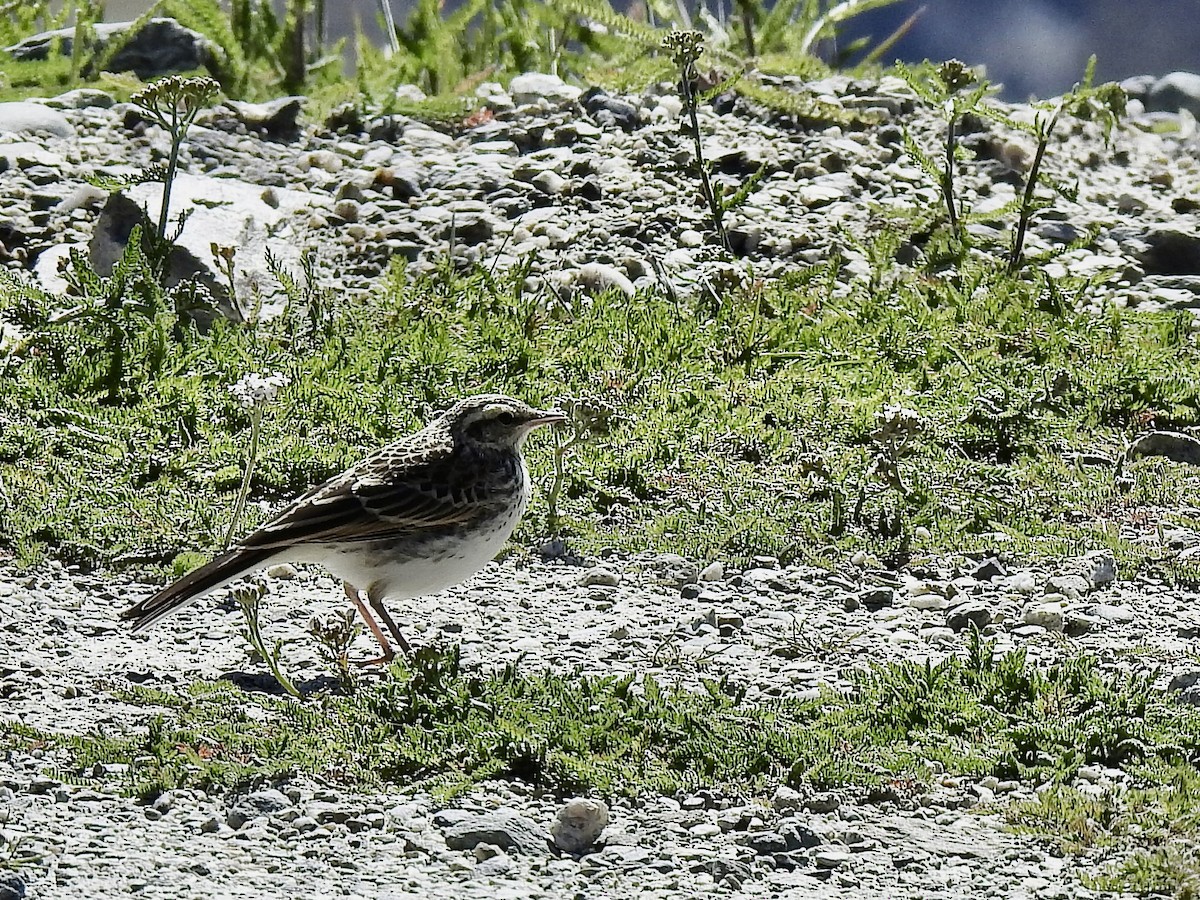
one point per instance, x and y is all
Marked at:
(946, 91)
(1104, 104)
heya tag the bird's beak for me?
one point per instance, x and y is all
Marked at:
(547, 417)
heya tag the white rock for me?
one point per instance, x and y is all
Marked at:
(46, 269)
(599, 576)
(410, 92)
(1048, 615)
(1021, 582)
(223, 211)
(786, 799)
(1113, 612)
(534, 86)
(929, 601)
(23, 117)
(598, 277)
(670, 105)
(578, 823)
(830, 856)
(1071, 586)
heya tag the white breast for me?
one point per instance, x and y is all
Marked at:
(441, 564)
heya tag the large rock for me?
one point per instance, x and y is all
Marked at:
(159, 47)
(1173, 92)
(505, 828)
(1169, 251)
(532, 87)
(34, 118)
(230, 213)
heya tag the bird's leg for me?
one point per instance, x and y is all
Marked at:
(376, 601)
(388, 653)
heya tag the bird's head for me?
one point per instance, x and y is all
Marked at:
(494, 420)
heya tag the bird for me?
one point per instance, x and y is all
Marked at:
(415, 517)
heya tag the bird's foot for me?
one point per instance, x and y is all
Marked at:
(379, 661)
(388, 654)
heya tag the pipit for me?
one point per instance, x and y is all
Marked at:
(415, 517)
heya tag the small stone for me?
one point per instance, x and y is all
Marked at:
(347, 210)
(211, 825)
(982, 793)
(823, 802)
(12, 885)
(766, 843)
(1103, 567)
(534, 86)
(671, 568)
(973, 612)
(256, 805)
(1022, 582)
(596, 278)
(484, 852)
(786, 799)
(928, 601)
(731, 621)
(714, 571)
(42, 784)
(550, 182)
(21, 117)
(599, 576)
(578, 824)
(164, 802)
(1079, 624)
(1113, 613)
(282, 571)
(1091, 774)
(1048, 615)
(506, 829)
(82, 98)
(830, 857)
(1070, 586)
(877, 598)
(988, 569)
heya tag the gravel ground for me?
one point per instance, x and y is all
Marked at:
(594, 187)
(774, 629)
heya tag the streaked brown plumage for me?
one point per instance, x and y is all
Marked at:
(415, 517)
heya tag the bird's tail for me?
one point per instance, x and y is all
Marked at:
(222, 570)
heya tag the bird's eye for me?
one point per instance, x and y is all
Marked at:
(506, 418)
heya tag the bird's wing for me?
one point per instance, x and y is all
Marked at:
(395, 492)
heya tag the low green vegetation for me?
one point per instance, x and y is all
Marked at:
(906, 724)
(945, 89)
(260, 51)
(125, 443)
(1149, 825)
